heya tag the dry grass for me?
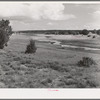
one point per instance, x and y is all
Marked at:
(49, 67)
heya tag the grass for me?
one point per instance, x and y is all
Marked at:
(49, 67)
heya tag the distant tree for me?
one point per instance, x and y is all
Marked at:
(5, 32)
(98, 32)
(95, 31)
(66, 33)
(85, 32)
(61, 32)
(72, 32)
(80, 31)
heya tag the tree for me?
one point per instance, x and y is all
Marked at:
(95, 31)
(85, 32)
(72, 32)
(5, 32)
(31, 47)
(98, 32)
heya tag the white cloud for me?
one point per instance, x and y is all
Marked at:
(35, 11)
(10, 9)
(49, 11)
(95, 15)
(92, 25)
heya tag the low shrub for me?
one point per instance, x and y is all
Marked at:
(31, 47)
(57, 66)
(86, 62)
(94, 37)
(46, 81)
(54, 65)
(86, 83)
(25, 61)
(89, 36)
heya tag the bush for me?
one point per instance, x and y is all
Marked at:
(86, 62)
(31, 47)
(54, 65)
(94, 37)
(57, 66)
(5, 32)
(89, 36)
(86, 83)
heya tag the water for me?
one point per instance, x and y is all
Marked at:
(78, 47)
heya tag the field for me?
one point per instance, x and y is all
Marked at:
(53, 65)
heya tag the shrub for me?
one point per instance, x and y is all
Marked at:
(86, 83)
(57, 66)
(94, 37)
(5, 32)
(31, 47)
(54, 65)
(89, 36)
(86, 62)
(46, 81)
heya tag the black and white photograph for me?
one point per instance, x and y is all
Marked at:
(49, 45)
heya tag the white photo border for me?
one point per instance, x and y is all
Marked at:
(50, 93)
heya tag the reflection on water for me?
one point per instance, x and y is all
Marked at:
(78, 47)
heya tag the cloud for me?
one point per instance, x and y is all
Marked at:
(49, 11)
(34, 11)
(95, 23)
(96, 14)
(10, 9)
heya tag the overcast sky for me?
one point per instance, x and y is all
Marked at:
(34, 16)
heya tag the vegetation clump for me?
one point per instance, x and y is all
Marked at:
(54, 65)
(31, 47)
(86, 83)
(94, 37)
(86, 62)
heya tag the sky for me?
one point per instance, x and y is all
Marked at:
(51, 16)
